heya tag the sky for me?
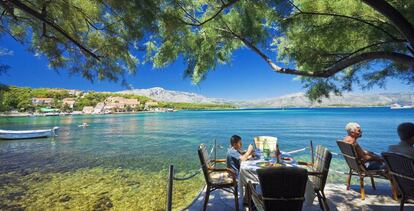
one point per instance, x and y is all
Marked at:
(247, 77)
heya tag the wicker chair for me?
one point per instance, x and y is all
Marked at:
(356, 167)
(282, 188)
(318, 173)
(401, 169)
(217, 178)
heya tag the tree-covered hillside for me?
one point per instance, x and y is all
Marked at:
(20, 99)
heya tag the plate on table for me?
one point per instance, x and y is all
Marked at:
(264, 164)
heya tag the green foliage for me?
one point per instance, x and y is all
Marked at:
(93, 98)
(310, 36)
(65, 108)
(20, 99)
(89, 99)
(49, 93)
(334, 31)
(108, 30)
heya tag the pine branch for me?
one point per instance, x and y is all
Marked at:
(39, 16)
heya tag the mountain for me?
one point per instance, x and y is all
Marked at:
(292, 100)
(160, 94)
(347, 99)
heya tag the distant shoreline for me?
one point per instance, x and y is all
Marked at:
(25, 114)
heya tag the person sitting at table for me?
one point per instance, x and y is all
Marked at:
(235, 155)
(370, 160)
(406, 145)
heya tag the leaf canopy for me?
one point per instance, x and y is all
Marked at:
(331, 45)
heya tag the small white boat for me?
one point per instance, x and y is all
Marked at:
(84, 125)
(25, 134)
(398, 106)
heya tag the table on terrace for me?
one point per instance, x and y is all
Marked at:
(248, 173)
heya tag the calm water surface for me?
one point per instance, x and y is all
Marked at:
(149, 142)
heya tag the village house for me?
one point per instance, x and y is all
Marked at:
(133, 103)
(120, 103)
(99, 108)
(114, 103)
(112, 106)
(88, 109)
(42, 101)
(69, 101)
(114, 99)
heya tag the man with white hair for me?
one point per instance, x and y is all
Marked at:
(370, 160)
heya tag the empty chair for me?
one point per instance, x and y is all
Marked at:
(318, 173)
(217, 178)
(401, 169)
(270, 140)
(282, 188)
(356, 167)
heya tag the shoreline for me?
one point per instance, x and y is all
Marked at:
(26, 114)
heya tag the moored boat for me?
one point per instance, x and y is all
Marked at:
(398, 106)
(26, 134)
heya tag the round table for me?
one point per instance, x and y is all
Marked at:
(248, 173)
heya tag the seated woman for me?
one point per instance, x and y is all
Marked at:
(370, 160)
(235, 155)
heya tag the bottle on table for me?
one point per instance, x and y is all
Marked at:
(266, 150)
(278, 154)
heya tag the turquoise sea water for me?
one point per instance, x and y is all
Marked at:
(149, 142)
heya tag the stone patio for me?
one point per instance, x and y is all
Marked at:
(338, 198)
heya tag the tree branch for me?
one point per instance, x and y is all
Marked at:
(40, 17)
(392, 56)
(275, 67)
(399, 21)
(352, 18)
(200, 23)
(370, 46)
(335, 68)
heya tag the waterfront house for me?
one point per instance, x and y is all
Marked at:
(114, 103)
(88, 109)
(120, 103)
(133, 103)
(114, 99)
(99, 108)
(42, 101)
(69, 101)
(111, 106)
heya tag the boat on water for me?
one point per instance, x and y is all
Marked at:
(398, 106)
(26, 134)
(84, 125)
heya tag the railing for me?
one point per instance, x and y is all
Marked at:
(171, 176)
(171, 179)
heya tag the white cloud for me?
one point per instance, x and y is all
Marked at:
(6, 52)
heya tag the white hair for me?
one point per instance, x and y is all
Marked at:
(352, 127)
